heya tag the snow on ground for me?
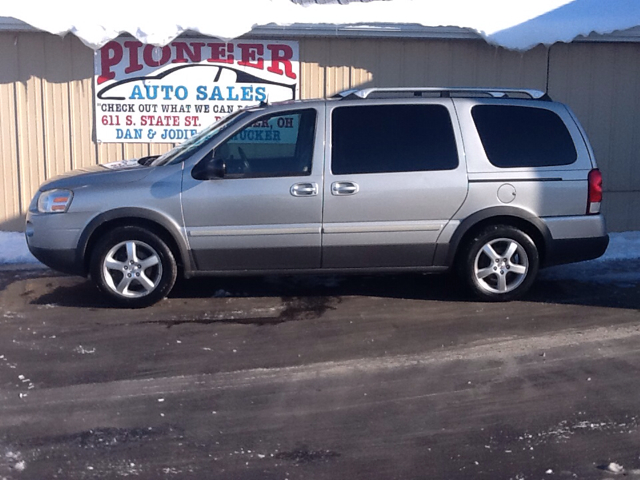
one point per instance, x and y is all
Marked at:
(13, 249)
(619, 265)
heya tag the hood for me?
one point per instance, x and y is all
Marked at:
(124, 171)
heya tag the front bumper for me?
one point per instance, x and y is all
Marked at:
(53, 245)
(61, 260)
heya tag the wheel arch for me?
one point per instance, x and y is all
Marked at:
(158, 224)
(515, 217)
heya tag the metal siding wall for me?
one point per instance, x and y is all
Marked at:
(81, 116)
(29, 115)
(332, 65)
(55, 107)
(599, 81)
(47, 118)
(10, 207)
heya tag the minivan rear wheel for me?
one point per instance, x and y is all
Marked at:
(500, 263)
(133, 267)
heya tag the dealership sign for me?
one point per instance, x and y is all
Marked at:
(145, 93)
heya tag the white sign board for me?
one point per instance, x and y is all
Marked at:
(145, 93)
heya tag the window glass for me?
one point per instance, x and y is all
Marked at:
(392, 138)
(279, 145)
(186, 148)
(515, 136)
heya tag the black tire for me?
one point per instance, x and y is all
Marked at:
(499, 264)
(133, 267)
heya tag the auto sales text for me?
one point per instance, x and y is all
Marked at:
(232, 93)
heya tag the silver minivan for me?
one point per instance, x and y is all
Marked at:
(493, 183)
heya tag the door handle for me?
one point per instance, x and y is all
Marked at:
(344, 188)
(304, 189)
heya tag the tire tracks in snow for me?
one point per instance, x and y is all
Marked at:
(557, 346)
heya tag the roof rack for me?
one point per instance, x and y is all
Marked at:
(445, 92)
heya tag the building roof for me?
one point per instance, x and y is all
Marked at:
(513, 24)
(341, 2)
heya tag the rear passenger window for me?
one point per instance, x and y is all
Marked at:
(515, 136)
(392, 138)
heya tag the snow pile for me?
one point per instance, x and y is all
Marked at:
(620, 265)
(519, 27)
(615, 468)
(13, 249)
(622, 246)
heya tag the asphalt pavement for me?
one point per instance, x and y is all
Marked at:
(363, 377)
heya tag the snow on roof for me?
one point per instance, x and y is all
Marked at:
(513, 24)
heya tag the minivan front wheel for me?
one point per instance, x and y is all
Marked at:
(500, 263)
(133, 267)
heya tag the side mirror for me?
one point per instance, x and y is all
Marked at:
(209, 169)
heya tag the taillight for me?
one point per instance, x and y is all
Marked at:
(595, 192)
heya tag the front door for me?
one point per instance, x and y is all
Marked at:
(264, 210)
(393, 180)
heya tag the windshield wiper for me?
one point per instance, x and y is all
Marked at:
(146, 161)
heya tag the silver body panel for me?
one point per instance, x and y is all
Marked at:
(98, 191)
(394, 219)
(542, 191)
(583, 226)
(255, 223)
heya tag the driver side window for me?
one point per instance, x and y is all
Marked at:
(277, 145)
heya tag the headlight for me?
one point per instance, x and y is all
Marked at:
(55, 201)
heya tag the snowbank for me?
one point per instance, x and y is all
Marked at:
(620, 265)
(13, 249)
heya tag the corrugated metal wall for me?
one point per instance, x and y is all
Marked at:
(599, 81)
(331, 65)
(47, 119)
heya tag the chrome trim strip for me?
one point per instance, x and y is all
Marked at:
(253, 230)
(382, 227)
(513, 180)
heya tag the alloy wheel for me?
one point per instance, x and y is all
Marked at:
(501, 266)
(132, 269)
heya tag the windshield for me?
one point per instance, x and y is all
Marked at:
(185, 149)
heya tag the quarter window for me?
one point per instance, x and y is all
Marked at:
(515, 136)
(392, 138)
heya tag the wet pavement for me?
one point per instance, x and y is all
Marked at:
(373, 377)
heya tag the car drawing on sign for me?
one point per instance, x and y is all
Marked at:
(490, 183)
(228, 80)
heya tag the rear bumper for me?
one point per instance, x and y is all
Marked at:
(570, 250)
(575, 239)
